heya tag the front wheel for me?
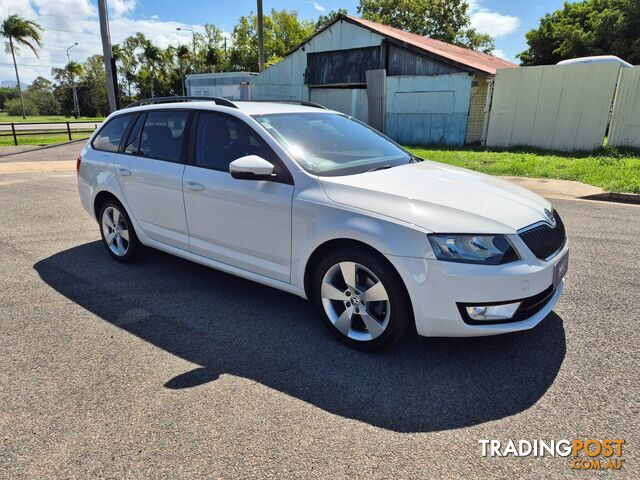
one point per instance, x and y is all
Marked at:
(118, 234)
(361, 299)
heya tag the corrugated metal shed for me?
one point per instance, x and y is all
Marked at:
(285, 79)
(420, 95)
(376, 98)
(462, 57)
(423, 110)
(402, 61)
(341, 66)
(352, 101)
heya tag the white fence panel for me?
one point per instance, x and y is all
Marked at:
(556, 107)
(625, 121)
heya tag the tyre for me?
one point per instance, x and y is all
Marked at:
(117, 232)
(361, 298)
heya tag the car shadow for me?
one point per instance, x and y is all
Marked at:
(228, 325)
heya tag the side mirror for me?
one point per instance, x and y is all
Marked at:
(251, 167)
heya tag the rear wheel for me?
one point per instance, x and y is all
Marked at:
(361, 299)
(117, 232)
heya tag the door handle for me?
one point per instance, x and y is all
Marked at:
(124, 172)
(195, 186)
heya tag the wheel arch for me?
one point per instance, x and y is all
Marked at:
(102, 197)
(336, 243)
(340, 243)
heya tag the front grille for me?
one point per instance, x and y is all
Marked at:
(545, 240)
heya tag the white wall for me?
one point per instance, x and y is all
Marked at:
(285, 79)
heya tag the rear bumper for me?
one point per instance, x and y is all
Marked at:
(86, 197)
(438, 289)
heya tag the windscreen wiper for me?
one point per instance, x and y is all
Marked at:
(375, 169)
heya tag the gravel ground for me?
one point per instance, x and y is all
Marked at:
(168, 369)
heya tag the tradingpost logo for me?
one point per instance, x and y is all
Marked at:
(586, 454)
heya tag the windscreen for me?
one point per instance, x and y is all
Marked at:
(328, 144)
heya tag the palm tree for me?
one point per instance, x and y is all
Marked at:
(24, 32)
(153, 57)
(123, 53)
(74, 69)
(183, 53)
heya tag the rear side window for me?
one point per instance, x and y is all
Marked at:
(109, 137)
(163, 135)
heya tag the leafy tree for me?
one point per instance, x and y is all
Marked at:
(324, 20)
(7, 93)
(446, 20)
(590, 27)
(283, 30)
(15, 107)
(91, 88)
(40, 94)
(23, 32)
(210, 50)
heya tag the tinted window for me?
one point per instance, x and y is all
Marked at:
(221, 139)
(162, 135)
(133, 142)
(110, 136)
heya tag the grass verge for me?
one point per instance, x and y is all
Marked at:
(38, 139)
(609, 168)
(46, 118)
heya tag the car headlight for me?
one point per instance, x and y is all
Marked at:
(479, 249)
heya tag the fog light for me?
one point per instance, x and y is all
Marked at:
(493, 312)
(477, 313)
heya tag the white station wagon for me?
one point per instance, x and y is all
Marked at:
(316, 203)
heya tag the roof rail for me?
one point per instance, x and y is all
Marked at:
(312, 104)
(303, 103)
(150, 101)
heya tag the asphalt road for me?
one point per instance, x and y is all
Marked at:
(168, 369)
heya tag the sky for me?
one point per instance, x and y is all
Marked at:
(69, 21)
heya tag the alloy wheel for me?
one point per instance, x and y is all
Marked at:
(115, 230)
(356, 301)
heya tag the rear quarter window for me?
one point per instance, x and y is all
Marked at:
(109, 137)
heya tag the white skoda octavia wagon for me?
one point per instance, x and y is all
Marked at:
(316, 203)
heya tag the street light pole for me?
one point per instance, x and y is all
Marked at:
(76, 105)
(193, 36)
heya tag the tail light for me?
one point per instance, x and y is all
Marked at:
(78, 162)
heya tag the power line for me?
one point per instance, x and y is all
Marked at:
(27, 65)
(47, 29)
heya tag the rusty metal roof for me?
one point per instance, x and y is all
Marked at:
(463, 56)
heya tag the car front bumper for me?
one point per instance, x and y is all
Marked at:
(436, 288)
